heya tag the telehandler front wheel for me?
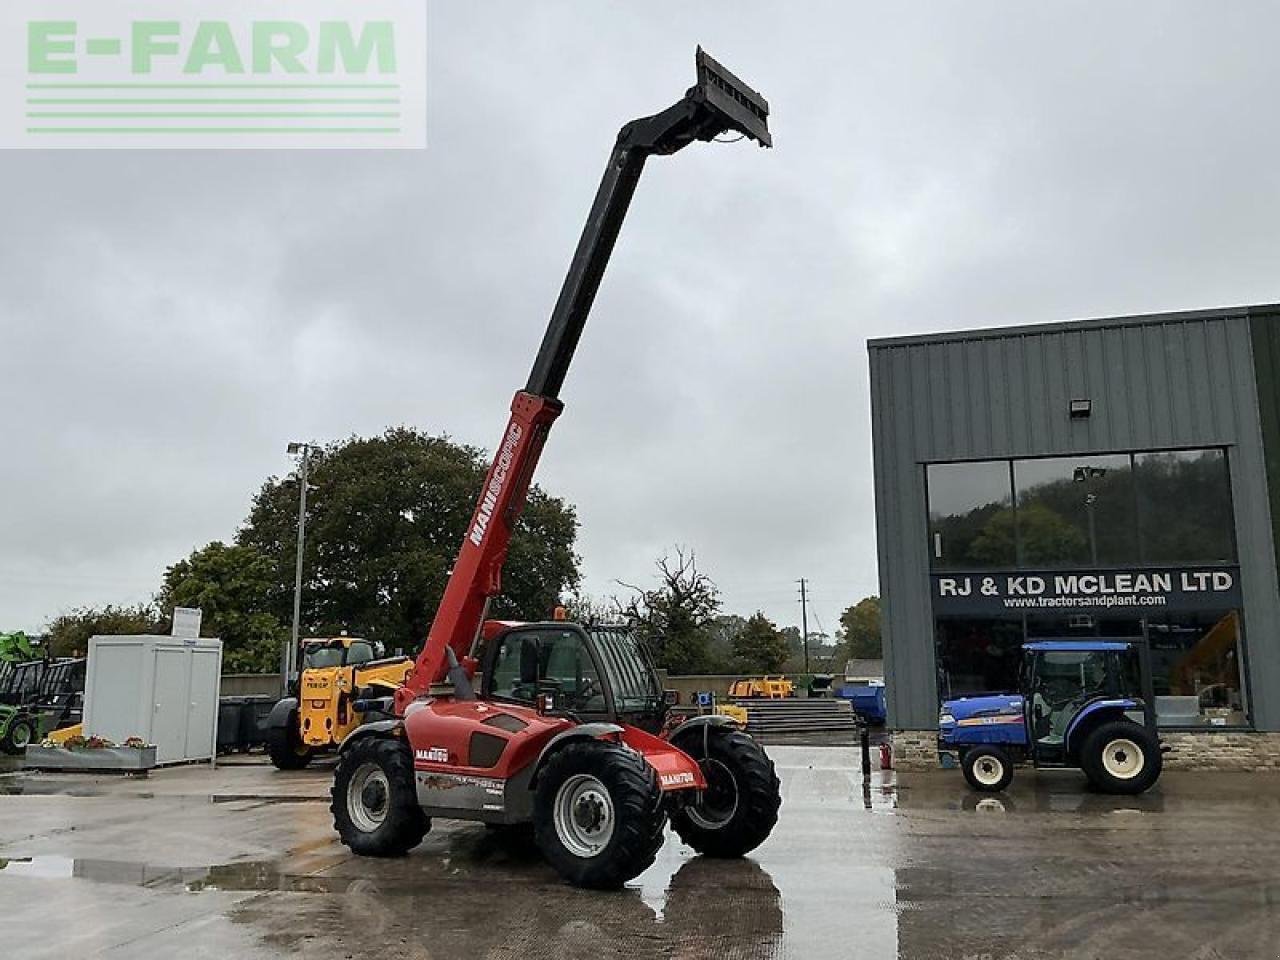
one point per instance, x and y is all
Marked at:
(739, 808)
(285, 747)
(374, 803)
(598, 815)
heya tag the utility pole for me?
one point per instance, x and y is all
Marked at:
(288, 663)
(804, 621)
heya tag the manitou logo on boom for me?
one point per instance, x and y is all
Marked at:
(497, 480)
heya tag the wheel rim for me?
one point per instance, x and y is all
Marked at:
(368, 796)
(988, 770)
(21, 735)
(1123, 759)
(584, 817)
(719, 802)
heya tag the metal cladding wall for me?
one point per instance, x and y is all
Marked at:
(1160, 381)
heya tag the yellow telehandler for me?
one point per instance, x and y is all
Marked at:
(321, 709)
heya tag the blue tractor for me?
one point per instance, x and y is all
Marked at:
(1081, 705)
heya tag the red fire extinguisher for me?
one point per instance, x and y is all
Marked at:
(886, 757)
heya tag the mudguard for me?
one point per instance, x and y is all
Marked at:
(283, 714)
(1091, 714)
(378, 728)
(585, 731)
(698, 726)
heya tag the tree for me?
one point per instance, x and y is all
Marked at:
(722, 633)
(761, 646)
(675, 617)
(69, 633)
(235, 588)
(860, 629)
(385, 517)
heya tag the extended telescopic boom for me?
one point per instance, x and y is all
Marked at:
(718, 103)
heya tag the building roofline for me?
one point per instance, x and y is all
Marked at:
(1139, 319)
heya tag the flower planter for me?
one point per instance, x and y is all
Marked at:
(123, 759)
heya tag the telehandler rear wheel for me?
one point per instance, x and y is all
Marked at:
(598, 814)
(285, 747)
(739, 808)
(375, 806)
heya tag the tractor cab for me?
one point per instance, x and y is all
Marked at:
(1064, 680)
(1080, 704)
(596, 673)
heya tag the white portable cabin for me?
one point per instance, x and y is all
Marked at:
(161, 689)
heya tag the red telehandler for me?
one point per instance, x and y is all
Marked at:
(567, 728)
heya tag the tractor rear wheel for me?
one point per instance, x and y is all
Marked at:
(285, 747)
(375, 805)
(988, 769)
(739, 808)
(598, 815)
(19, 735)
(1121, 757)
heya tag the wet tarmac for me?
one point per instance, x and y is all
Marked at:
(241, 862)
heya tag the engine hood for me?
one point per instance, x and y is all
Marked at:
(988, 705)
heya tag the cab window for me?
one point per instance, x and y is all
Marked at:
(360, 651)
(525, 658)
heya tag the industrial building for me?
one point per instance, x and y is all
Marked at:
(1116, 477)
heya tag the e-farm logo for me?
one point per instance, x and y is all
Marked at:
(213, 73)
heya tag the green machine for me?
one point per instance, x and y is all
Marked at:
(36, 698)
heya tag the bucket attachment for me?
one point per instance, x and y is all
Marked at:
(742, 108)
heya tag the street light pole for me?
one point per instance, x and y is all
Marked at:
(289, 660)
(804, 621)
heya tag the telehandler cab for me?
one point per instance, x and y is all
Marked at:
(568, 729)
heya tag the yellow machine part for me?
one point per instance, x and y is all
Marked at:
(66, 733)
(733, 712)
(325, 714)
(771, 688)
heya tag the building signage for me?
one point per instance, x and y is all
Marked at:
(1137, 591)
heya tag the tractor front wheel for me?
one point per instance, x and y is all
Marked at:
(1121, 757)
(375, 805)
(285, 747)
(988, 769)
(739, 808)
(19, 735)
(598, 816)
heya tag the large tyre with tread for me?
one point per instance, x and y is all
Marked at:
(285, 747)
(598, 815)
(20, 733)
(989, 769)
(374, 802)
(1121, 757)
(739, 808)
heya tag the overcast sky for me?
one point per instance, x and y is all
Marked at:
(171, 320)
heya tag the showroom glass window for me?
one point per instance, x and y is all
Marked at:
(977, 655)
(1184, 502)
(971, 522)
(1076, 511)
(1195, 669)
